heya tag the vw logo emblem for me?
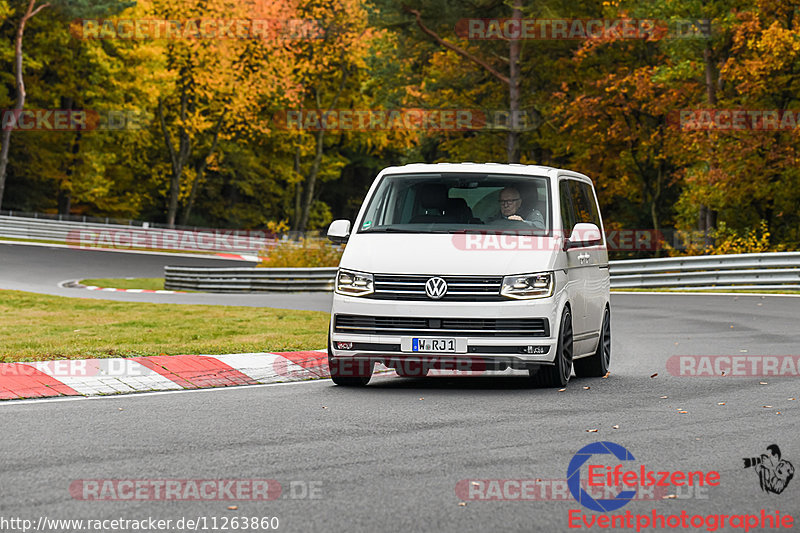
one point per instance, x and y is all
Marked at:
(435, 288)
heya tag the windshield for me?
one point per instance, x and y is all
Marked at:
(451, 203)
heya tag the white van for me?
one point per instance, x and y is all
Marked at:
(473, 267)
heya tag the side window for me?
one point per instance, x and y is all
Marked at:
(584, 203)
(567, 214)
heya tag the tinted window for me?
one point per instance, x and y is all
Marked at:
(578, 204)
(451, 202)
(567, 214)
(584, 203)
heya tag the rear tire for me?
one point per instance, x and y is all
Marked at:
(596, 365)
(349, 373)
(557, 374)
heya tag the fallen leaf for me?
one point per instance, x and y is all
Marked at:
(324, 407)
(561, 390)
(767, 407)
(233, 507)
(462, 504)
(615, 427)
(607, 374)
(720, 403)
(422, 398)
(591, 431)
(723, 372)
(476, 484)
(664, 397)
(586, 388)
(120, 408)
(742, 351)
(777, 412)
(683, 412)
(653, 375)
(669, 497)
(791, 399)
(762, 382)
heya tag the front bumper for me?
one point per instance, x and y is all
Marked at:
(499, 347)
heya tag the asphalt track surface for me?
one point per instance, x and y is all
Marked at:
(41, 268)
(389, 456)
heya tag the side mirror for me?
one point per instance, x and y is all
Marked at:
(339, 231)
(584, 234)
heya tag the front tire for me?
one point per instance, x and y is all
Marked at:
(596, 365)
(349, 373)
(557, 374)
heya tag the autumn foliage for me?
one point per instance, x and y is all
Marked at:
(206, 150)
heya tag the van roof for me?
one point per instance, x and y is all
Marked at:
(492, 168)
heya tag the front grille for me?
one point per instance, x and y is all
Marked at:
(472, 327)
(459, 288)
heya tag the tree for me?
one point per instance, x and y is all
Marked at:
(30, 12)
(214, 88)
(511, 79)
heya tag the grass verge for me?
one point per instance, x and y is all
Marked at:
(35, 327)
(126, 283)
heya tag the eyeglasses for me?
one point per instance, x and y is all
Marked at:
(509, 202)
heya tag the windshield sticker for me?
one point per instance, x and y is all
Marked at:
(366, 225)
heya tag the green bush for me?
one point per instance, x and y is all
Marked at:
(303, 253)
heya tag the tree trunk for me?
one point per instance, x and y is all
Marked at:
(512, 141)
(178, 158)
(20, 83)
(311, 181)
(65, 187)
(298, 193)
(200, 170)
(708, 218)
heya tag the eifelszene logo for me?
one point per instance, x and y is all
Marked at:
(602, 475)
(574, 476)
(774, 473)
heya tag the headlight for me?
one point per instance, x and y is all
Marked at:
(528, 286)
(354, 283)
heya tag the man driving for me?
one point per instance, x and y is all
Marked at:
(510, 204)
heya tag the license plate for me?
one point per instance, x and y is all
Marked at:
(433, 345)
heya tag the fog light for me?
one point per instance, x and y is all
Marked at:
(344, 345)
(539, 350)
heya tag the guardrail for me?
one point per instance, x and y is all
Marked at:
(92, 235)
(249, 279)
(778, 270)
(716, 272)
